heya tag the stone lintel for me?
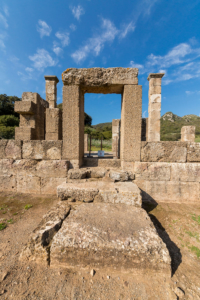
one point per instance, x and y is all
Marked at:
(52, 78)
(109, 79)
(155, 75)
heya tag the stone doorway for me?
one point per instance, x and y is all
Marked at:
(122, 81)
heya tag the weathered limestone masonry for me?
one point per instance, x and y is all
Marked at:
(32, 117)
(188, 134)
(53, 114)
(85, 142)
(154, 106)
(116, 137)
(123, 81)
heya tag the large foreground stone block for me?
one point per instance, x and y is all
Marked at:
(37, 248)
(10, 149)
(28, 184)
(107, 235)
(42, 150)
(152, 171)
(169, 191)
(164, 151)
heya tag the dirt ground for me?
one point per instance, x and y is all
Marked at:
(177, 224)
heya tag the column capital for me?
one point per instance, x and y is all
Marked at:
(155, 75)
(51, 78)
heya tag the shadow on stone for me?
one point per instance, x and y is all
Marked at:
(174, 251)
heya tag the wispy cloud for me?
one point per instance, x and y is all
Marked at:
(43, 28)
(72, 27)
(56, 49)
(126, 29)
(3, 15)
(2, 41)
(144, 114)
(77, 11)
(148, 5)
(42, 59)
(181, 63)
(63, 37)
(94, 45)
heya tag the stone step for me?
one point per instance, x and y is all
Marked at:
(119, 236)
(101, 191)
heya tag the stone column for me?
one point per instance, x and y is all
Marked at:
(154, 106)
(131, 125)
(53, 114)
(85, 142)
(188, 134)
(51, 90)
(116, 137)
(73, 125)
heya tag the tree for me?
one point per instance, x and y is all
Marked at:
(7, 105)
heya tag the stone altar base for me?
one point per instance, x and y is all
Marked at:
(109, 235)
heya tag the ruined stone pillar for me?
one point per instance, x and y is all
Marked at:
(85, 142)
(53, 114)
(131, 124)
(116, 137)
(73, 125)
(188, 134)
(154, 106)
(51, 90)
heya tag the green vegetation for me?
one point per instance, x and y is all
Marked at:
(196, 250)
(3, 226)
(96, 145)
(10, 221)
(196, 218)
(27, 206)
(8, 118)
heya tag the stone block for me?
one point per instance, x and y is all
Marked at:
(164, 151)
(104, 235)
(8, 183)
(169, 191)
(78, 173)
(152, 171)
(185, 172)
(84, 192)
(38, 246)
(98, 172)
(188, 133)
(6, 167)
(119, 175)
(53, 128)
(25, 107)
(49, 185)
(100, 80)
(28, 184)
(10, 149)
(24, 133)
(42, 150)
(193, 152)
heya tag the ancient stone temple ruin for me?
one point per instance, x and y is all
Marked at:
(49, 143)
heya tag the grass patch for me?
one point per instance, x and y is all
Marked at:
(196, 250)
(3, 207)
(10, 221)
(196, 218)
(16, 213)
(28, 206)
(3, 226)
(194, 235)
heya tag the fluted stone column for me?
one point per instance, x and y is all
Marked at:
(154, 106)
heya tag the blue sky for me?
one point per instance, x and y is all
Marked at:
(40, 37)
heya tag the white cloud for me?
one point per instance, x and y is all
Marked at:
(6, 11)
(148, 5)
(29, 70)
(144, 114)
(72, 27)
(43, 28)
(56, 49)
(134, 65)
(3, 20)
(64, 37)
(42, 59)
(127, 28)
(95, 44)
(77, 11)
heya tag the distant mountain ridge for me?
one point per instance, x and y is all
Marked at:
(171, 125)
